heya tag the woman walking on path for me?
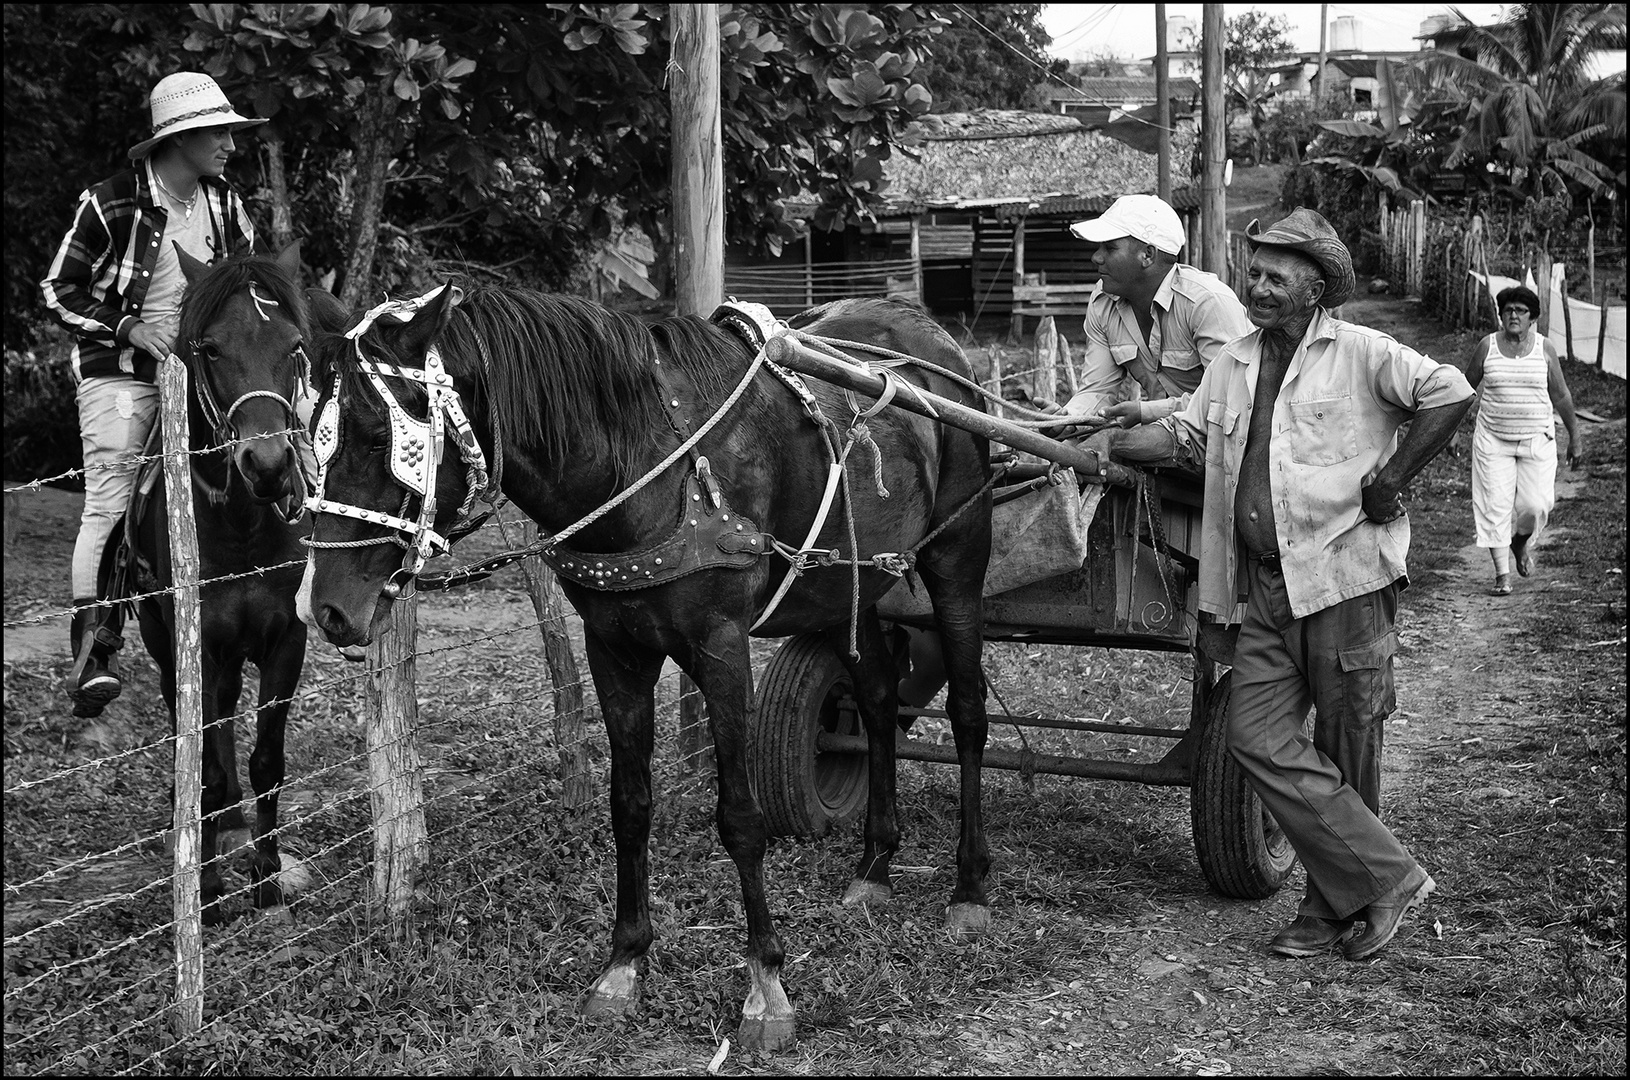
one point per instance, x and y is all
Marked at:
(1519, 380)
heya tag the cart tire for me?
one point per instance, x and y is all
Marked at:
(802, 792)
(1241, 849)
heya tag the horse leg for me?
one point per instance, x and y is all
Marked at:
(279, 676)
(874, 676)
(625, 677)
(212, 802)
(722, 668)
(959, 614)
(228, 689)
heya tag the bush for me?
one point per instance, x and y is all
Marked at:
(41, 417)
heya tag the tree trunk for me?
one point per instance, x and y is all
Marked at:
(277, 179)
(374, 144)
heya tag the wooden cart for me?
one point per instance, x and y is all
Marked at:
(809, 748)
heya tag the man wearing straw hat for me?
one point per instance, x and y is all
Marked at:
(1304, 539)
(116, 286)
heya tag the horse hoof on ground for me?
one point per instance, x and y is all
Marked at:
(770, 1033)
(605, 1006)
(861, 891)
(214, 913)
(967, 920)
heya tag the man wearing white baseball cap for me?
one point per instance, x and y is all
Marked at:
(116, 286)
(1154, 323)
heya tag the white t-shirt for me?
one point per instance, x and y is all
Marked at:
(195, 233)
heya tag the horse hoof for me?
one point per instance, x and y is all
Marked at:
(215, 914)
(967, 920)
(861, 891)
(770, 1033)
(601, 1006)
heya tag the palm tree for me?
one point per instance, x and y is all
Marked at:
(1528, 101)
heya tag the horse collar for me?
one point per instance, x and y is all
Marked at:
(709, 535)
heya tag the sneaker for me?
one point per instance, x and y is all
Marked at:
(1502, 585)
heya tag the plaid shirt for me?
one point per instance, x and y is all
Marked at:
(99, 278)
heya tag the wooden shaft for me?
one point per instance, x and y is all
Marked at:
(794, 354)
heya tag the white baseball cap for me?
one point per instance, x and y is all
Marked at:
(1142, 217)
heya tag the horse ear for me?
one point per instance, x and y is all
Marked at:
(431, 320)
(191, 268)
(289, 259)
(327, 313)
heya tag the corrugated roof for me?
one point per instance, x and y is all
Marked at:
(1114, 90)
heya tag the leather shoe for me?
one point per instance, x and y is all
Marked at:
(1386, 915)
(1310, 935)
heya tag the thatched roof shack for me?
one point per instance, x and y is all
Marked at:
(975, 203)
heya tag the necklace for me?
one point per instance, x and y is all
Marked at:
(186, 204)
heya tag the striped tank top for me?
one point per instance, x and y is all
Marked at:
(1513, 401)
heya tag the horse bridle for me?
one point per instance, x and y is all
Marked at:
(415, 451)
(220, 420)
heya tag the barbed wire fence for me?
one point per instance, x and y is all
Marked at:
(101, 976)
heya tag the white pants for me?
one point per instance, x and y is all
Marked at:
(1513, 486)
(115, 415)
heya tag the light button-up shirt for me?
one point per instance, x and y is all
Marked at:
(1335, 425)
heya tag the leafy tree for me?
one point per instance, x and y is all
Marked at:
(69, 121)
(988, 58)
(1256, 44)
(1527, 101)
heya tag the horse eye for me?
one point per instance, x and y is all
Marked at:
(208, 351)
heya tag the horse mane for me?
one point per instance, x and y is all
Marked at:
(205, 297)
(555, 370)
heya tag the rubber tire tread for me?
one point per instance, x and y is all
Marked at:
(1226, 815)
(781, 740)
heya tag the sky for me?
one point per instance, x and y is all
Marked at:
(1129, 29)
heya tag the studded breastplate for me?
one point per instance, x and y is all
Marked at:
(707, 537)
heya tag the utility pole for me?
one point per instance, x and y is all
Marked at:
(1163, 106)
(697, 168)
(1324, 33)
(1214, 133)
(697, 171)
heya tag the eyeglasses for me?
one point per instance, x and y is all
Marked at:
(1516, 311)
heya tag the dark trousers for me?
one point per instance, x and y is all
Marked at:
(1325, 792)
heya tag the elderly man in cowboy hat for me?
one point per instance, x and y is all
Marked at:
(1155, 323)
(116, 286)
(1305, 535)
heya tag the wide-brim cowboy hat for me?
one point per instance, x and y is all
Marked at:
(1306, 232)
(183, 102)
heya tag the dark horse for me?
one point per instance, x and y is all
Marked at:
(571, 404)
(241, 337)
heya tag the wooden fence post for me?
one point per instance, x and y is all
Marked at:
(1417, 251)
(1047, 359)
(1567, 312)
(566, 685)
(188, 1016)
(395, 772)
(1015, 331)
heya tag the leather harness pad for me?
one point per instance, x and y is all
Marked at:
(706, 538)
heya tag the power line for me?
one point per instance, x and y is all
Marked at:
(1050, 77)
(1091, 23)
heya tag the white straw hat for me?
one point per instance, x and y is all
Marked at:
(185, 101)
